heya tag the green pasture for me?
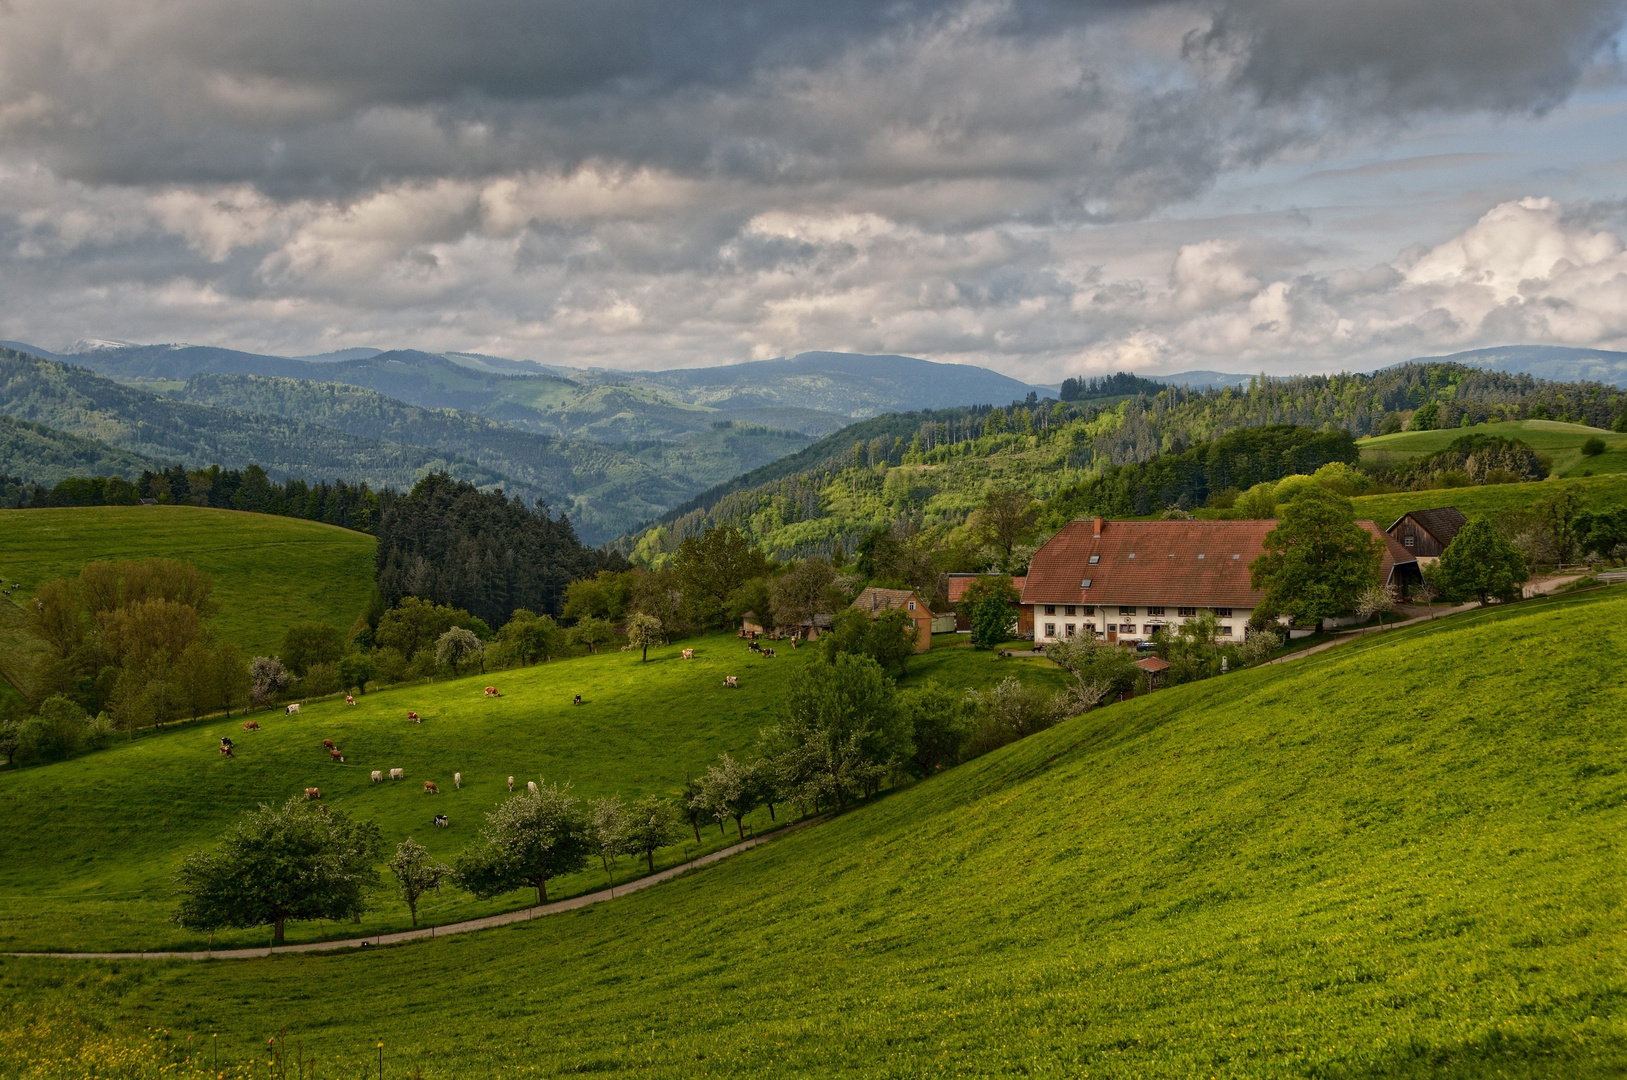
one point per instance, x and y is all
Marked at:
(95, 840)
(1489, 500)
(1400, 858)
(1562, 443)
(269, 571)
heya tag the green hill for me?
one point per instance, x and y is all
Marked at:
(268, 571)
(43, 455)
(1561, 442)
(1601, 492)
(1400, 858)
(642, 728)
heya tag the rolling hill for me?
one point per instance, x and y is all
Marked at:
(1560, 442)
(42, 455)
(268, 571)
(643, 728)
(1400, 858)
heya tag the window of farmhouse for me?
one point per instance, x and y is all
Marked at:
(1155, 611)
(1186, 612)
(1068, 609)
(1050, 629)
(1222, 612)
(1050, 609)
(1070, 629)
(1127, 611)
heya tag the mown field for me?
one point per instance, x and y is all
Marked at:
(1560, 441)
(268, 571)
(95, 841)
(1601, 493)
(1400, 858)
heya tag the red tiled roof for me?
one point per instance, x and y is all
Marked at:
(1193, 563)
(1152, 664)
(959, 583)
(874, 599)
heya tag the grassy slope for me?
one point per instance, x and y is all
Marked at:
(1400, 858)
(642, 728)
(1562, 442)
(268, 571)
(1602, 492)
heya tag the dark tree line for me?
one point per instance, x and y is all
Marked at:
(350, 506)
(1233, 462)
(450, 543)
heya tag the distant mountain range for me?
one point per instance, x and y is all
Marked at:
(1553, 362)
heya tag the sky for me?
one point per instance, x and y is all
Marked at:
(1044, 187)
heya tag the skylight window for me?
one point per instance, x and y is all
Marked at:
(1200, 554)
(1132, 555)
(1094, 559)
(1085, 584)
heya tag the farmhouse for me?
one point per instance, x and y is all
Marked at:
(1123, 580)
(1425, 533)
(875, 601)
(959, 583)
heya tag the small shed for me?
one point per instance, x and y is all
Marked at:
(1425, 533)
(1154, 667)
(875, 601)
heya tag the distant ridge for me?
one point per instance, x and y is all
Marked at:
(1202, 380)
(1556, 363)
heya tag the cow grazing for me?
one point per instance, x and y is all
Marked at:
(689, 654)
(349, 700)
(430, 788)
(577, 700)
(251, 725)
(398, 774)
(378, 777)
(457, 780)
(731, 682)
(328, 743)
(226, 747)
(413, 717)
(440, 821)
(752, 646)
(511, 785)
(767, 651)
(313, 793)
(293, 707)
(531, 786)
(335, 755)
(491, 691)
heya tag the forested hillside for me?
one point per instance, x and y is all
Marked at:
(925, 471)
(42, 455)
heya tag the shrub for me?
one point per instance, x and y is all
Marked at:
(1011, 710)
(1593, 447)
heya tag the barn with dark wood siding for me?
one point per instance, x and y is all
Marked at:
(1425, 533)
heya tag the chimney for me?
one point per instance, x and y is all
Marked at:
(1099, 528)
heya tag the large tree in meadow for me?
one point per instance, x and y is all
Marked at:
(710, 567)
(1317, 561)
(1481, 563)
(528, 839)
(297, 861)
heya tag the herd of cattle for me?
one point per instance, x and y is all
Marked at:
(335, 755)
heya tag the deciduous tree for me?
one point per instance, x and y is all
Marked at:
(1317, 561)
(416, 874)
(1479, 562)
(297, 861)
(644, 631)
(528, 839)
(652, 824)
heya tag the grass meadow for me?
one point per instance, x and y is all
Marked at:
(268, 571)
(94, 841)
(1400, 858)
(1489, 500)
(1562, 443)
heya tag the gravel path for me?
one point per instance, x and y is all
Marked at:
(425, 932)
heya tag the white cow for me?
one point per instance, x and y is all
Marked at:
(531, 786)
(398, 774)
(457, 780)
(293, 707)
(511, 784)
(377, 776)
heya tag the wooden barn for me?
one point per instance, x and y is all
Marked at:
(1425, 533)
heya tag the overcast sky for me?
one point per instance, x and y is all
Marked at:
(1045, 187)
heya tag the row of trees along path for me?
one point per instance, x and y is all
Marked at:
(464, 927)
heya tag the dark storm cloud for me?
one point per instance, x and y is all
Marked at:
(311, 96)
(1404, 55)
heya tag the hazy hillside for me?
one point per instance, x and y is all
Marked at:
(77, 401)
(1544, 362)
(43, 455)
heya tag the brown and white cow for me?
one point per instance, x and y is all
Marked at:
(251, 725)
(731, 682)
(413, 717)
(328, 743)
(430, 788)
(335, 755)
(313, 793)
(293, 707)
(491, 691)
(349, 700)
